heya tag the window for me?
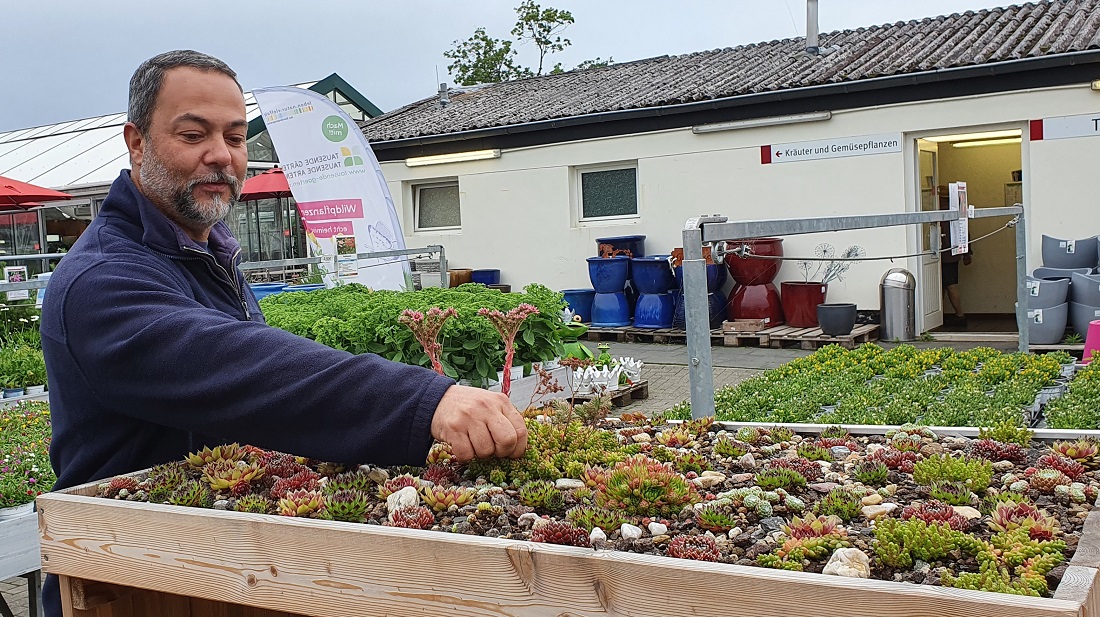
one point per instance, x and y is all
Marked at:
(435, 206)
(607, 192)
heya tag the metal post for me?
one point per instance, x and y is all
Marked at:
(442, 260)
(1021, 283)
(697, 313)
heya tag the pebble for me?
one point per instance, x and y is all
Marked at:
(839, 452)
(929, 449)
(378, 475)
(891, 488)
(630, 532)
(849, 562)
(740, 478)
(772, 523)
(874, 447)
(823, 487)
(657, 529)
(402, 498)
(872, 499)
(597, 535)
(747, 461)
(221, 504)
(1003, 465)
(527, 519)
(568, 484)
(968, 512)
(733, 533)
(642, 438)
(709, 481)
(661, 539)
(922, 567)
(873, 512)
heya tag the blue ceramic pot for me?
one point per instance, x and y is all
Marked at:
(716, 275)
(717, 310)
(262, 290)
(652, 275)
(654, 311)
(634, 244)
(608, 275)
(580, 302)
(610, 310)
(486, 277)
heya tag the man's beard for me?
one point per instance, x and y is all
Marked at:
(168, 190)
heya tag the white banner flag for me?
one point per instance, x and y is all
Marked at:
(342, 197)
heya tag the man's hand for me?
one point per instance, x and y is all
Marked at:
(479, 423)
(967, 259)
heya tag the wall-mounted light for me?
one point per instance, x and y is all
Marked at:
(733, 125)
(1096, 85)
(986, 142)
(981, 135)
(456, 157)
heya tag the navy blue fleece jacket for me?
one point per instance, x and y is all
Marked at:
(155, 347)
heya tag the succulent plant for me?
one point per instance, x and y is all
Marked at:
(1008, 431)
(698, 426)
(357, 480)
(691, 461)
(1084, 451)
(779, 477)
(232, 452)
(440, 452)
(192, 493)
(233, 477)
(956, 493)
(935, 511)
(835, 432)
(778, 434)
(396, 483)
(840, 502)
(898, 543)
(283, 466)
(808, 469)
(301, 503)
(871, 473)
(916, 430)
(975, 473)
(256, 504)
(808, 450)
(806, 539)
(818, 527)
(995, 451)
(904, 442)
(593, 477)
(752, 435)
(302, 481)
(699, 548)
(730, 448)
(412, 517)
(441, 498)
(1010, 515)
(589, 517)
(164, 479)
(541, 494)
(990, 502)
(440, 473)
(896, 459)
(349, 505)
(679, 437)
(717, 516)
(1068, 466)
(560, 532)
(1046, 480)
(640, 486)
(119, 484)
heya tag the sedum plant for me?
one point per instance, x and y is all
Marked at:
(975, 473)
(640, 486)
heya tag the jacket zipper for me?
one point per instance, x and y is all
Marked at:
(207, 258)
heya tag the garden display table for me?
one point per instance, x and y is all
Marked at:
(128, 558)
(20, 556)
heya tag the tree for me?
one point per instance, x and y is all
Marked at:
(484, 59)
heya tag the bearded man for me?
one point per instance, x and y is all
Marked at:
(155, 345)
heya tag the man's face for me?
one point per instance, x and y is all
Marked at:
(193, 160)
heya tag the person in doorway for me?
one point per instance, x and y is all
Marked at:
(949, 276)
(155, 345)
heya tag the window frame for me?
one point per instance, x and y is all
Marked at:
(578, 175)
(435, 184)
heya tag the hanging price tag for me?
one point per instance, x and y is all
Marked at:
(1035, 316)
(1071, 245)
(1033, 287)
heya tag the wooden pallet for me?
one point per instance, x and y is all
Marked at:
(761, 338)
(813, 338)
(630, 334)
(621, 397)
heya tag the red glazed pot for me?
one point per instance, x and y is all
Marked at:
(752, 271)
(800, 302)
(756, 302)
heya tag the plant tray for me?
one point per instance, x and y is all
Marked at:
(119, 558)
(623, 396)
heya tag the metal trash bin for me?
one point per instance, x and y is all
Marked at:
(898, 306)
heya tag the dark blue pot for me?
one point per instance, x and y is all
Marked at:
(654, 311)
(716, 275)
(608, 275)
(610, 310)
(262, 290)
(717, 310)
(309, 287)
(580, 302)
(652, 275)
(634, 244)
(486, 277)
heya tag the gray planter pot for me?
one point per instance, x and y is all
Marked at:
(1085, 289)
(1046, 293)
(836, 319)
(1058, 253)
(1080, 315)
(1047, 326)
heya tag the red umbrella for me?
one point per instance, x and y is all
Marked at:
(16, 193)
(271, 184)
(30, 205)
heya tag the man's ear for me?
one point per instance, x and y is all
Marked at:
(135, 143)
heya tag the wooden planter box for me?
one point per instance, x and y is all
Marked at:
(119, 558)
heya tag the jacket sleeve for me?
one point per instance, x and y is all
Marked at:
(148, 350)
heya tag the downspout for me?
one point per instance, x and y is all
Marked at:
(811, 28)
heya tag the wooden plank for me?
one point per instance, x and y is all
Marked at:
(19, 551)
(334, 569)
(1080, 585)
(89, 595)
(1088, 548)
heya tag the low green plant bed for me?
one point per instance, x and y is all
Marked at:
(25, 470)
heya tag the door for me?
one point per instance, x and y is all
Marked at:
(931, 286)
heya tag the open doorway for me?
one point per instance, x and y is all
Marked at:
(983, 298)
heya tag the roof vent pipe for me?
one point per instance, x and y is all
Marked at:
(811, 28)
(444, 95)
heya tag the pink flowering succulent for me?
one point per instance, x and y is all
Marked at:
(425, 328)
(507, 324)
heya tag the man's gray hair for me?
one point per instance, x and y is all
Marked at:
(146, 82)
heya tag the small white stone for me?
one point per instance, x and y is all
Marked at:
(402, 498)
(568, 484)
(221, 504)
(733, 533)
(873, 512)
(708, 481)
(872, 500)
(874, 447)
(642, 438)
(656, 529)
(850, 562)
(968, 512)
(597, 535)
(630, 532)
(747, 461)
(379, 475)
(1001, 466)
(527, 519)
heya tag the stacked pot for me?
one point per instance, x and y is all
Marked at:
(1064, 290)
(754, 295)
(653, 278)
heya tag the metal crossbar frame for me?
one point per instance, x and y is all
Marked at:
(711, 229)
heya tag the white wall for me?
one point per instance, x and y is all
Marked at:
(518, 210)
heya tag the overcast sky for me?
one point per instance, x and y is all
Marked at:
(68, 59)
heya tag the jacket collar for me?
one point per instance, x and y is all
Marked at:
(160, 232)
